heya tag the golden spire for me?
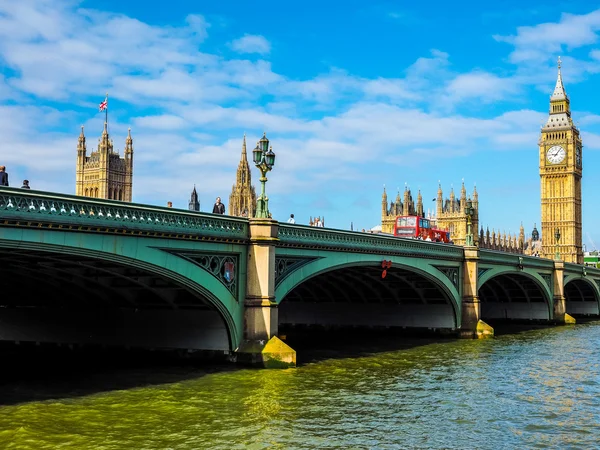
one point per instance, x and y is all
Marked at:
(244, 147)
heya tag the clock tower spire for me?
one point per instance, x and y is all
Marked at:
(560, 150)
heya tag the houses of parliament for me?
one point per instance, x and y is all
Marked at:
(105, 174)
(560, 168)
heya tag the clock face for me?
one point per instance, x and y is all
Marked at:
(578, 157)
(556, 154)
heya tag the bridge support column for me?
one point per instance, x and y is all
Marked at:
(261, 346)
(472, 327)
(560, 308)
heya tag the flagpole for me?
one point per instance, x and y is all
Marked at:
(106, 113)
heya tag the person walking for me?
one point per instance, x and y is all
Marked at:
(291, 219)
(25, 184)
(219, 208)
(3, 176)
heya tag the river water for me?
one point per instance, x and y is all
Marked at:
(532, 389)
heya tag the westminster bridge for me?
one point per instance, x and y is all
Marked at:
(77, 270)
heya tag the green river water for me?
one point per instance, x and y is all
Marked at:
(533, 389)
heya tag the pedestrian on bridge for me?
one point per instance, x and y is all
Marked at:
(3, 176)
(291, 219)
(219, 208)
(25, 184)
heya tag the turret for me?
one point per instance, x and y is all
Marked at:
(463, 197)
(384, 203)
(80, 169)
(128, 185)
(420, 204)
(521, 237)
(452, 199)
(439, 201)
(194, 204)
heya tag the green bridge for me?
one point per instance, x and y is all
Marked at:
(77, 270)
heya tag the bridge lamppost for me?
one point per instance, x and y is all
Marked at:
(264, 159)
(557, 237)
(469, 211)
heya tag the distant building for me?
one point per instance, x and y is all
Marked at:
(194, 204)
(451, 216)
(399, 208)
(104, 174)
(242, 201)
(450, 213)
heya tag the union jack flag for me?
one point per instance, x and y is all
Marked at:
(104, 104)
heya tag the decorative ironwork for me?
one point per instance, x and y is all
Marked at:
(88, 214)
(481, 271)
(301, 236)
(547, 278)
(597, 283)
(224, 267)
(451, 273)
(285, 265)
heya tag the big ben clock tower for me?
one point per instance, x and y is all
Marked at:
(560, 174)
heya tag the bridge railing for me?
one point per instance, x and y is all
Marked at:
(20, 205)
(514, 259)
(306, 236)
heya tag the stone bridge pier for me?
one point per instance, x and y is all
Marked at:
(260, 345)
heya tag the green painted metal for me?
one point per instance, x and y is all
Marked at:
(18, 205)
(302, 236)
(169, 258)
(322, 261)
(191, 249)
(587, 274)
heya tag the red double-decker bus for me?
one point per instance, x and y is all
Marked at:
(419, 228)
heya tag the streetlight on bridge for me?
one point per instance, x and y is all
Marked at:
(557, 237)
(264, 159)
(469, 211)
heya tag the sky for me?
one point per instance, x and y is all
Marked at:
(353, 96)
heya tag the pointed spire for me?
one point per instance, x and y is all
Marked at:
(81, 141)
(559, 90)
(244, 147)
(128, 142)
(105, 131)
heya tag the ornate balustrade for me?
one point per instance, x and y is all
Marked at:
(323, 238)
(37, 208)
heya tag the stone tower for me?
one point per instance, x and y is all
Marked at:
(450, 214)
(560, 175)
(242, 201)
(194, 204)
(104, 174)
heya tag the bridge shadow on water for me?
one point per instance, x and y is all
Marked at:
(38, 373)
(314, 344)
(47, 372)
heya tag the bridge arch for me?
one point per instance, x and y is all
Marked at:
(512, 293)
(345, 289)
(582, 296)
(217, 314)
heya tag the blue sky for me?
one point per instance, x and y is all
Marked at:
(352, 96)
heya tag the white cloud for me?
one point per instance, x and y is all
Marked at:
(251, 43)
(543, 41)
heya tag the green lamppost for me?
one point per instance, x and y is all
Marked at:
(469, 211)
(264, 159)
(557, 237)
